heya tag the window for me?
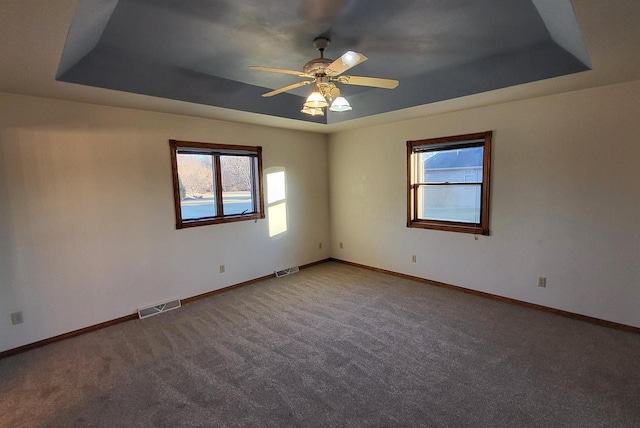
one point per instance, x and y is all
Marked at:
(216, 183)
(448, 183)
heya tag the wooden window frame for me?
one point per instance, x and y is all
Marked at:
(217, 150)
(481, 228)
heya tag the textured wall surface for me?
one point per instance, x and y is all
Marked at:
(564, 202)
(87, 226)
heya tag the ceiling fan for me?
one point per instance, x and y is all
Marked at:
(323, 72)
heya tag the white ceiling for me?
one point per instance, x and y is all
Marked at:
(34, 34)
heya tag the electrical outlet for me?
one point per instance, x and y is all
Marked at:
(16, 318)
(341, 246)
(542, 281)
(221, 268)
(413, 258)
(320, 246)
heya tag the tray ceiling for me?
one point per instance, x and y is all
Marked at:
(200, 51)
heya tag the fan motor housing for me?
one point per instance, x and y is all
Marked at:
(316, 66)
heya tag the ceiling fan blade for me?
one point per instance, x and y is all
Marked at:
(280, 70)
(346, 61)
(287, 88)
(375, 82)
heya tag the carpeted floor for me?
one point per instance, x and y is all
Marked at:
(332, 346)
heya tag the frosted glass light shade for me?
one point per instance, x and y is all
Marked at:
(316, 100)
(312, 111)
(340, 104)
(350, 58)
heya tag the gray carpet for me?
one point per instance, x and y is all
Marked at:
(333, 346)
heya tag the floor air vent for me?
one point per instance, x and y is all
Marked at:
(159, 308)
(287, 271)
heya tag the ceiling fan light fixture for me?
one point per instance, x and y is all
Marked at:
(324, 74)
(350, 58)
(340, 104)
(316, 100)
(312, 111)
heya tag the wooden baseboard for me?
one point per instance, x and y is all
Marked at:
(567, 314)
(242, 284)
(134, 316)
(68, 335)
(187, 300)
(222, 290)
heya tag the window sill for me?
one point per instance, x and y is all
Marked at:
(218, 220)
(449, 227)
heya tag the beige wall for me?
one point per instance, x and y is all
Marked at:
(87, 224)
(565, 202)
(86, 214)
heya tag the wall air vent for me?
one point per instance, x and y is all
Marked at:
(159, 308)
(287, 271)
